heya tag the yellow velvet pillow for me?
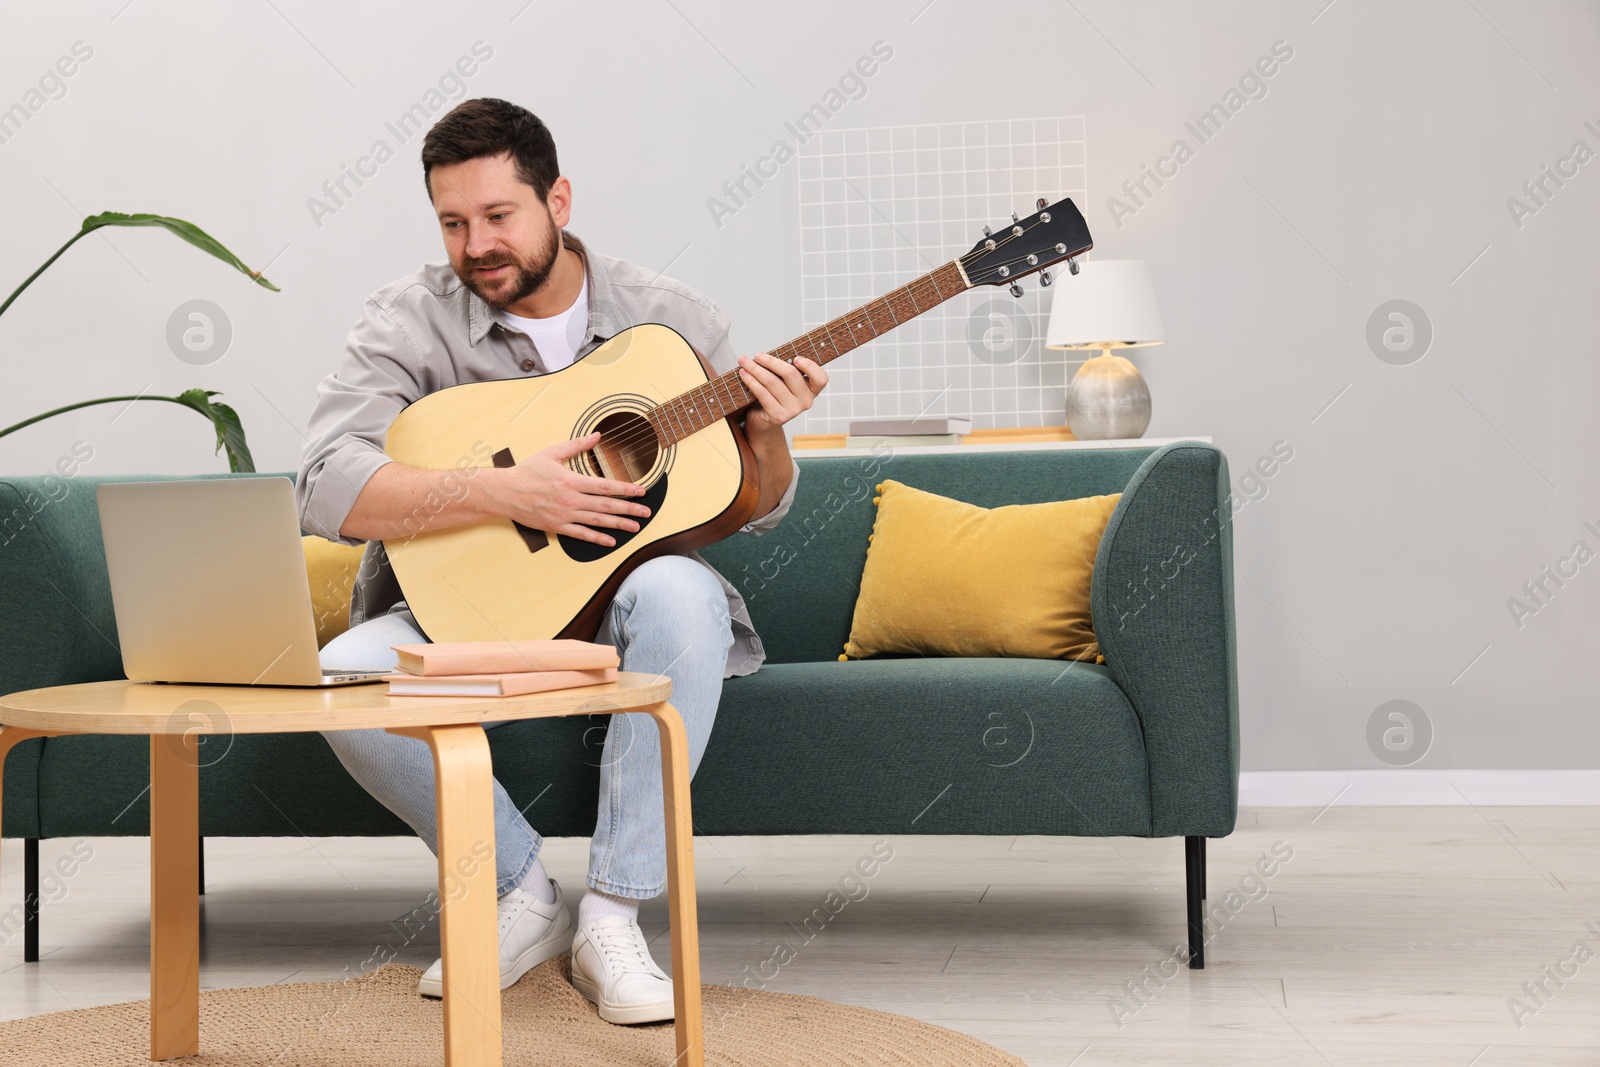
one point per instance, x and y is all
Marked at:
(331, 569)
(952, 579)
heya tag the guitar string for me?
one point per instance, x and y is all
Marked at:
(648, 432)
(639, 436)
(964, 259)
(910, 289)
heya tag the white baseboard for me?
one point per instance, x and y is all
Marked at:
(1305, 789)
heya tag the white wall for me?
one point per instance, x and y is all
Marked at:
(1378, 166)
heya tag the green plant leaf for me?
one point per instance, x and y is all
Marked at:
(230, 432)
(188, 231)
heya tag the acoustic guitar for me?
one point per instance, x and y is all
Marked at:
(667, 422)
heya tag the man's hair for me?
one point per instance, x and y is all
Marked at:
(488, 127)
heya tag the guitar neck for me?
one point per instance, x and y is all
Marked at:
(726, 394)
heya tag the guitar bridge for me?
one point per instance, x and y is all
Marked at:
(534, 539)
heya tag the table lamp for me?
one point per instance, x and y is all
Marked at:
(1109, 303)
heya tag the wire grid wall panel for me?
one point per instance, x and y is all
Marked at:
(883, 205)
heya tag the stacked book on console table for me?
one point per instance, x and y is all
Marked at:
(921, 430)
(983, 435)
(500, 668)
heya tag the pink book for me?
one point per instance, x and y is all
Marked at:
(504, 657)
(494, 685)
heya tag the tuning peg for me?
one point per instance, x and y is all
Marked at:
(1041, 204)
(1013, 216)
(1016, 290)
(988, 232)
(1072, 265)
(1045, 279)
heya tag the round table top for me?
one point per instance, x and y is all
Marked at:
(128, 707)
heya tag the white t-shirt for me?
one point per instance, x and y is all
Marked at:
(558, 337)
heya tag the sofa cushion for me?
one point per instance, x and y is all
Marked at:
(331, 569)
(913, 745)
(292, 785)
(949, 578)
(800, 579)
(948, 746)
(251, 785)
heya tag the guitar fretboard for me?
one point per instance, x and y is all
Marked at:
(726, 394)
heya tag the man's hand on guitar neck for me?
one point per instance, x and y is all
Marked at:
(541, 492)
(784, 390)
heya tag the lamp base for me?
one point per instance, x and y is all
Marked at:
(1108, 399)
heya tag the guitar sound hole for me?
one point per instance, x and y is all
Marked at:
(627, 449)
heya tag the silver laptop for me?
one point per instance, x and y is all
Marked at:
(208, 581)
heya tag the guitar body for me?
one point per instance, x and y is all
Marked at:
(497, 580)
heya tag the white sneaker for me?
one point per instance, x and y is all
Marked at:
(611, 965)
(531, 932)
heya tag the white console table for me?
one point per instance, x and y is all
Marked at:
(1021, 446)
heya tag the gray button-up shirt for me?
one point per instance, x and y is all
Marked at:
(427, 332)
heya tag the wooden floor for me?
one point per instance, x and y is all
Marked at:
(1391, 936)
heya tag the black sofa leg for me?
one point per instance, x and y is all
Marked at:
(1194, 849)
(30, 900)
(201, 845)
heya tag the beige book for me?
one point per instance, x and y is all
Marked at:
(504, 657)
(494, 685)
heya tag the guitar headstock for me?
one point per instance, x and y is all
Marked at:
(1045, 238)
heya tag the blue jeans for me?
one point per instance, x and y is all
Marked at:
(670, 617)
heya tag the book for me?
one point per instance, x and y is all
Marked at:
(494, 685)
(920, 424)
(901, 440)
(503, 657)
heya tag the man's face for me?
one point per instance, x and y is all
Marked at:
(502, 239)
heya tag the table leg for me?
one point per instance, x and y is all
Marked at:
(468, 928)
(681, 909)
(174, 902)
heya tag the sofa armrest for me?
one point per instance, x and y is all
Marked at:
(57, 626)
(1163, 612)
(56, 623)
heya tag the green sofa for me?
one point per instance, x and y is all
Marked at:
(1146, 745)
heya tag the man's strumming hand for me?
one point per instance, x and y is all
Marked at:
(544, 493)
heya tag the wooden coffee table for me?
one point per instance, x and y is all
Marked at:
(177, 717)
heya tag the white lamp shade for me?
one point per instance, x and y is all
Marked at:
(1108, 302)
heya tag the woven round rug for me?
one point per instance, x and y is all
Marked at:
(378, 1020)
